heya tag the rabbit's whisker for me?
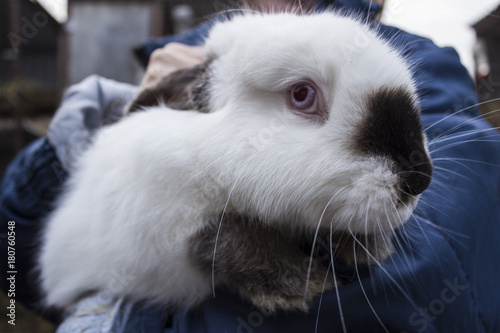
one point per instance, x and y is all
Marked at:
(359, 278)
(316, 238)
(461, 110)
(218, 233)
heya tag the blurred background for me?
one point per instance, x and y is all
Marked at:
(47, 45)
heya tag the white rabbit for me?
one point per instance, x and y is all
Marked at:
(311, 121)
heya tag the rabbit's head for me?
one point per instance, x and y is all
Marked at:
(318, 121)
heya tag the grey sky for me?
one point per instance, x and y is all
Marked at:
(446, 22)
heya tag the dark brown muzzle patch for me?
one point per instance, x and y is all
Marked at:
(393, 129)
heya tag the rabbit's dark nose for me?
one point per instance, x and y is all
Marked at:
(416, 179)
(393, 129)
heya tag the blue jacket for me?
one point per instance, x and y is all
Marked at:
(443, 277)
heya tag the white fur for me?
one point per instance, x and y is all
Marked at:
(153, 179)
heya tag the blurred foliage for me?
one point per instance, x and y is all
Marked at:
(25, 112)
(26, 321)
(31, 99)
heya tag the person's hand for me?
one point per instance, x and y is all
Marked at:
(170, 58)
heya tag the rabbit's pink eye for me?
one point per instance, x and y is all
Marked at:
(306, 100)
(302, 96)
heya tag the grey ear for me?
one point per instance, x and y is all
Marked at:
(185, 89)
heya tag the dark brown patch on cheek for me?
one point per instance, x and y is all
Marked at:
(392, 128)
(185, 89)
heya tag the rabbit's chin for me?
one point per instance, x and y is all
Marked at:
(370, 218)
(362, 216)
(350, 212)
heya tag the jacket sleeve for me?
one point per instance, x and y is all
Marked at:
(36, 176)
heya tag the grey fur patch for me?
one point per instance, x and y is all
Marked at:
(260, 262)
(267, 266)
(185, 89)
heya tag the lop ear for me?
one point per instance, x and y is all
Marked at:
(185, 89)
(272, 6)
